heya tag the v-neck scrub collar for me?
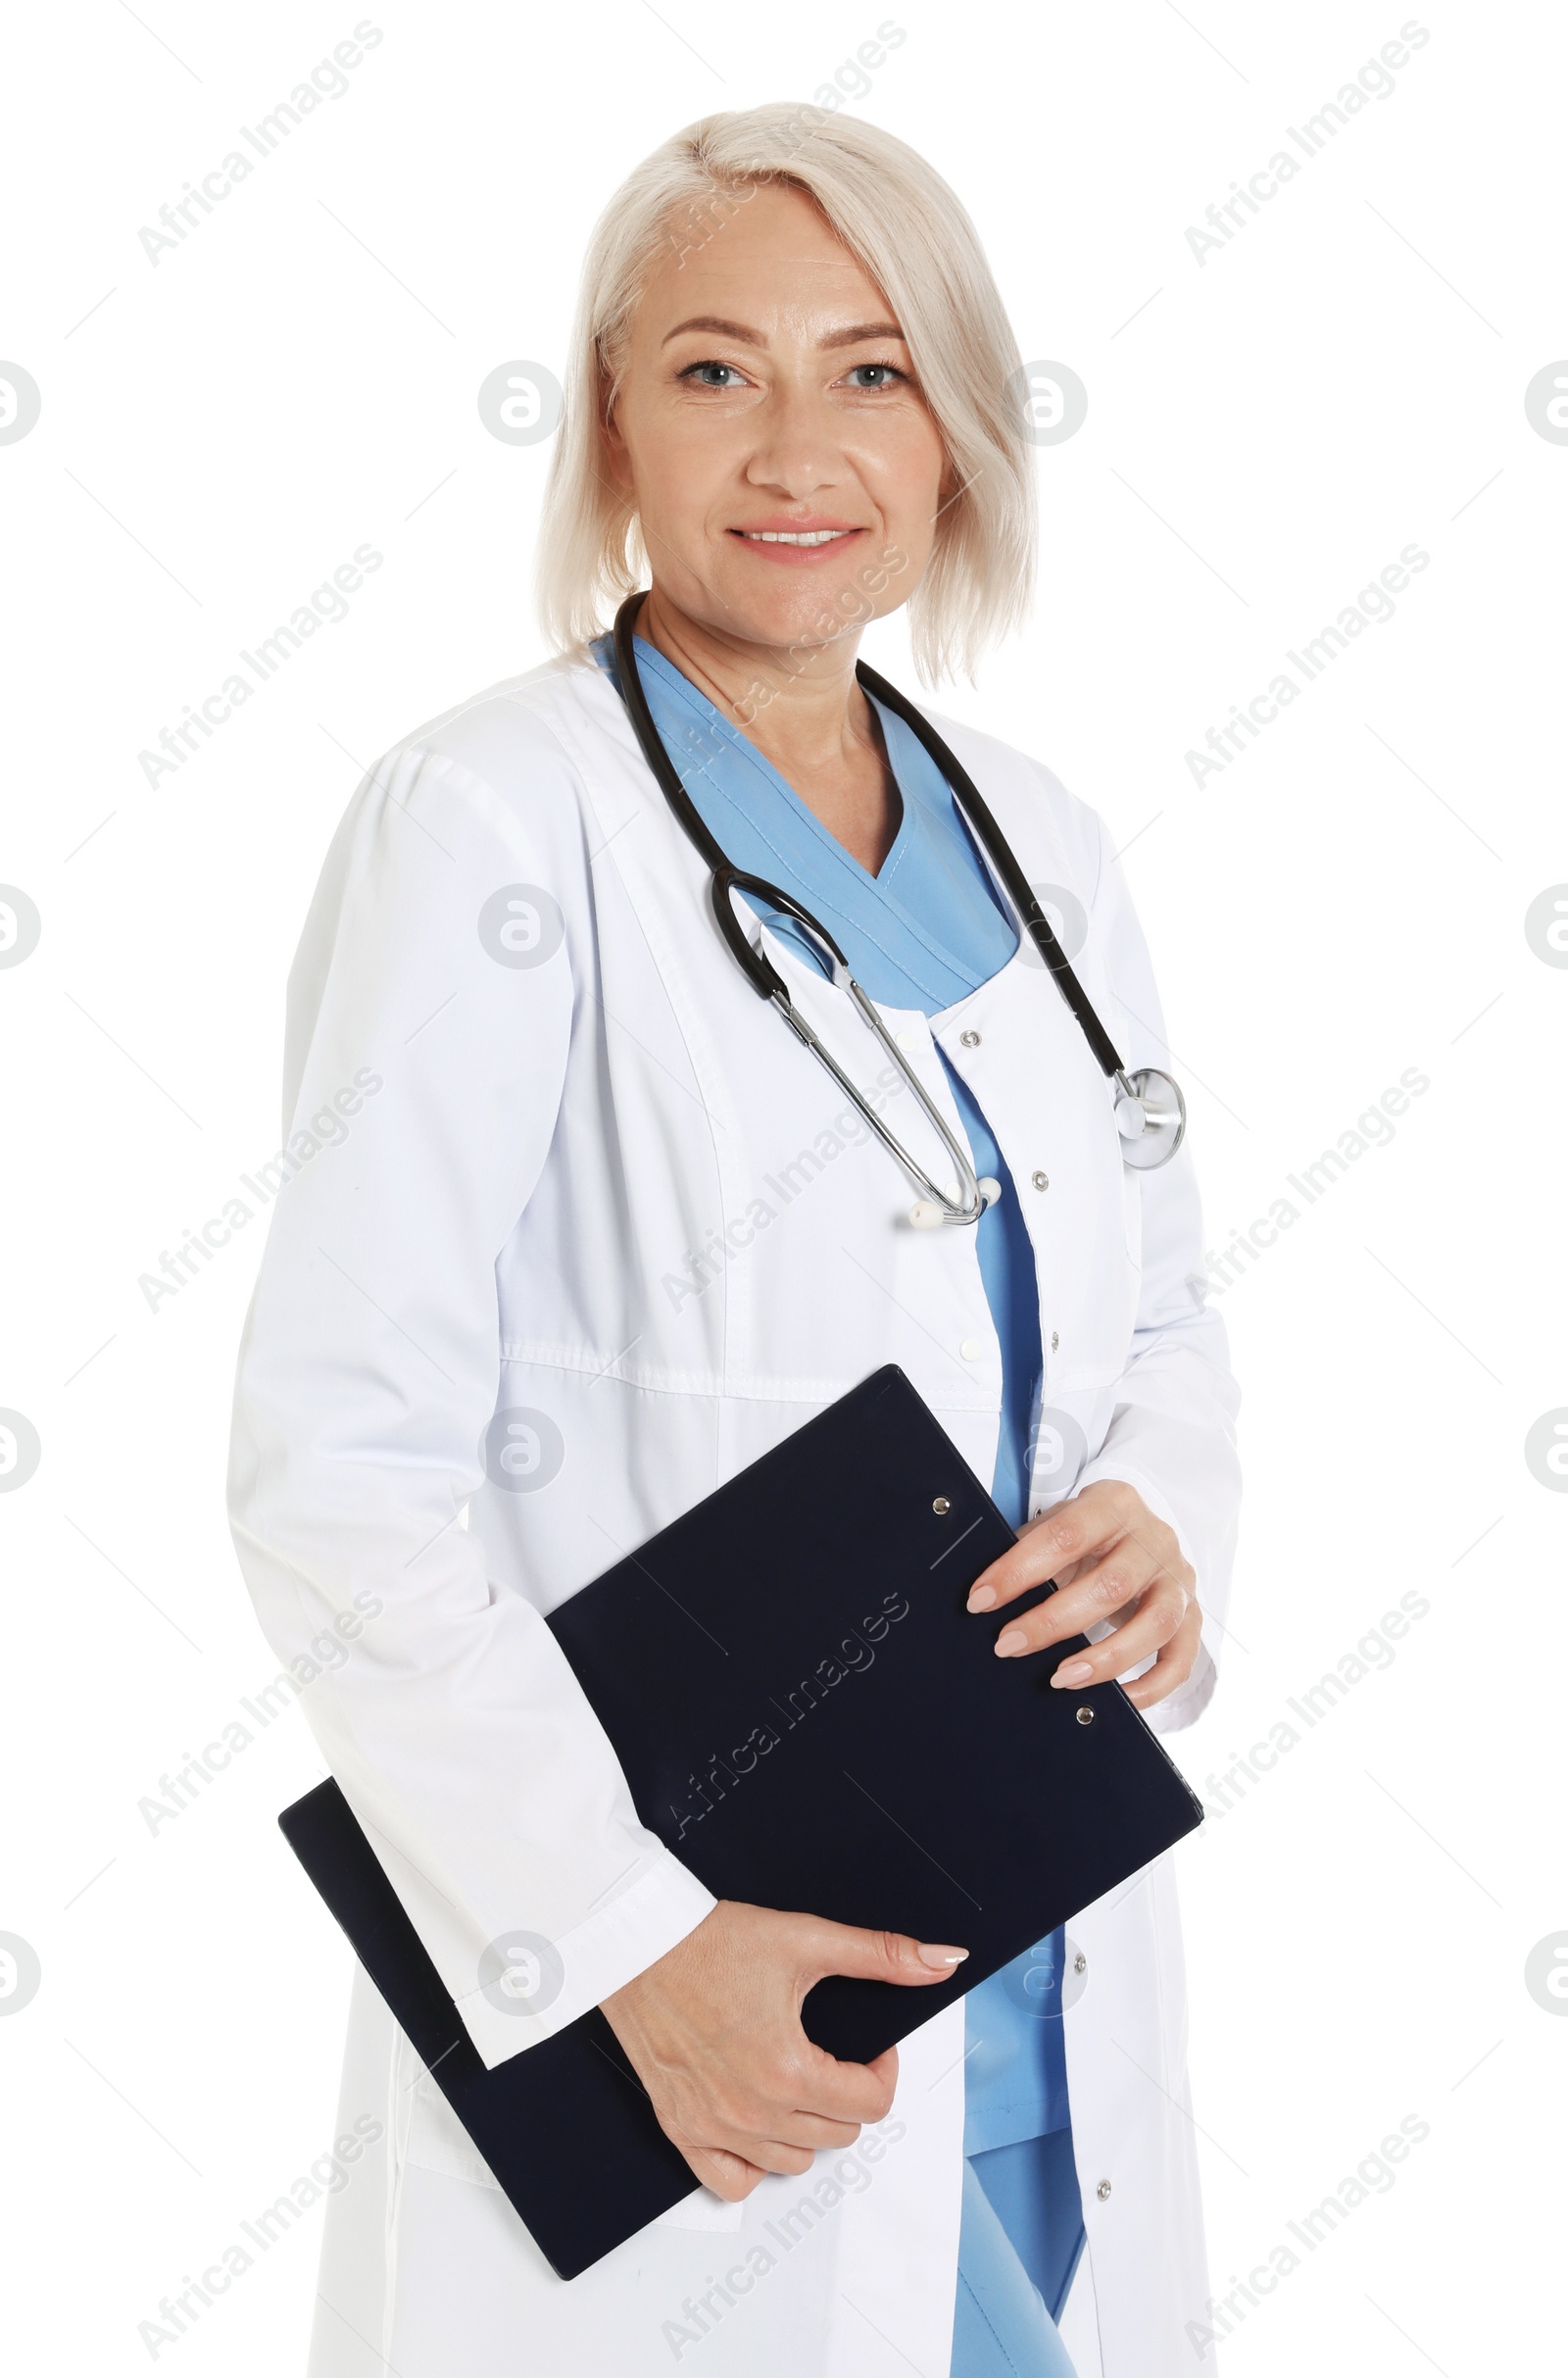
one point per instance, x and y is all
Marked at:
(923, 932)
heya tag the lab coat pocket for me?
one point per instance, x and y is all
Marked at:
(433, 2137)
(703, 2209)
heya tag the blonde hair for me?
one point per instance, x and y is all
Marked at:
(903, 224)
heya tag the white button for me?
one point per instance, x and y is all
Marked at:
(972, 1348)
(906, 1039)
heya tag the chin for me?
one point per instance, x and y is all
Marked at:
(810, 614)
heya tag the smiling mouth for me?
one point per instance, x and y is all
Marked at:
(794, 536)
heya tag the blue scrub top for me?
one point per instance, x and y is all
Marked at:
(928, 927)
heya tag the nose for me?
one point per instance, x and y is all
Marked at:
(797, 450)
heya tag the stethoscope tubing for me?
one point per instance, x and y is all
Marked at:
(724, 879)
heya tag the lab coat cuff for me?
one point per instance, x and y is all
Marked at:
(1187, 1703)
(598, 1957)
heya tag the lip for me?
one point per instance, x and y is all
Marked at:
(839, 534)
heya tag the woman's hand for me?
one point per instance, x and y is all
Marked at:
(714, 2032)
(1114, 1560)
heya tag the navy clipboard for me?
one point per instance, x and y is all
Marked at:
(809, 1718)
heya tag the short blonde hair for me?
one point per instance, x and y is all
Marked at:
(903, 224)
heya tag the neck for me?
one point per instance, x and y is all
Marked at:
(804, 710)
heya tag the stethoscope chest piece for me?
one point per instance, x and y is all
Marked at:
(1149, 1111)
(1151, 1117)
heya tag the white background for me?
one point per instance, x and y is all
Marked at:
(1266, 430)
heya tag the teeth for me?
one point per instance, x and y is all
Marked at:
(792, 536)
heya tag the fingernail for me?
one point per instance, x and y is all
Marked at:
(1011, 1642)
(983, 1598)
(1076, 1671)
(933, 1954)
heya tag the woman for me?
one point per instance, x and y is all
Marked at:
(603, 1233)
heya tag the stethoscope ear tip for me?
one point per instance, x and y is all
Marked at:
(929, 1216)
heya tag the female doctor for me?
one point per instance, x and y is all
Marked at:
(605, 1229)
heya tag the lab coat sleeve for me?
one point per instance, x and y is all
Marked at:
(425, 1074)
(1172, 1430)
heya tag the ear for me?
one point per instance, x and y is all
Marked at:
(612, 441)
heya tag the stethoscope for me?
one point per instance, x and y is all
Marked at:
(1150, 1113)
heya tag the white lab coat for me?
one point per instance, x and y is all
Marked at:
(557, 1159)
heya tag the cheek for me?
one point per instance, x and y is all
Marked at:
(683, 484)
(903, 462)
(671, 452)
(682, 466)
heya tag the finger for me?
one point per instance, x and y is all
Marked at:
(1095, 1598)
(806, 2128)
(1173, 1665)
(734, 2149)
(1150, 1625)
(1077, 1528)
(874, 1956)
(807, 2100)
(886, 2069)
(728, 2175)
(780, 2154)
(1157, 1619)
(783, 2141)
(837, 2092)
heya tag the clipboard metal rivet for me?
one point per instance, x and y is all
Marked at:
(940, 1505)
(1086, 1715)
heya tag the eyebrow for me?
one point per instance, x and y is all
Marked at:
(852, 337)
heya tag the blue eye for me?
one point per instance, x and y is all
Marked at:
(890, 371)
(692, 369)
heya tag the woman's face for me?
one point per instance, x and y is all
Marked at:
(767, 388)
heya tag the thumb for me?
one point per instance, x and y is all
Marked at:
(881, 1957)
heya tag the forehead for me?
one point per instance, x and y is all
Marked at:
(769, 260)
